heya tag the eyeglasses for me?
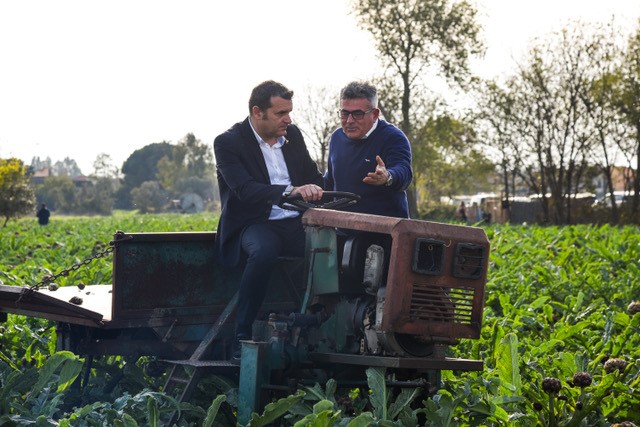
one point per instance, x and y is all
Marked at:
(356, 114)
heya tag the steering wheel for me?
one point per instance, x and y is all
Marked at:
(329, 200)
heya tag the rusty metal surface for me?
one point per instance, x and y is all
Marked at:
(459, 300)
(46, 305)
(444, 303)
(425, 363)
(351, 220)
(172, 271)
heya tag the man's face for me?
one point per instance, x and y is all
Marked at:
(272, 122)
(357, 128)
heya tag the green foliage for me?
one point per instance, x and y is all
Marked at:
(61, 195)
(556, 305)
(563, 292)
(189, 158)
(16, 197)
(150, 197)
(140, 166)
(446, 160)
(322, 416)
(58, 193)
(212, 412)
(32, 395)
(273, 411)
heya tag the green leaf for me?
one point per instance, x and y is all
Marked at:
(539, 302)
(275, 410)
(365, 419)
(323, 405)
(71, 368)
(378, 387)
(212, 412)
(152, 411)
(403, 401)
(126, 421)
(50, 367)
(507, 362)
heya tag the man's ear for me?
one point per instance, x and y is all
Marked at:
(256, 112)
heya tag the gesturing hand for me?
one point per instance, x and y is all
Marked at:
(379, 176)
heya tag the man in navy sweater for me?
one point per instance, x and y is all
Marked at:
(369, 156)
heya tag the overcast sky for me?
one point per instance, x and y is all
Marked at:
(80, 78)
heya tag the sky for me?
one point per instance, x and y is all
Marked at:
(81, 77)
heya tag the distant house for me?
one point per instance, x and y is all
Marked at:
(39, 177)
(621, 176)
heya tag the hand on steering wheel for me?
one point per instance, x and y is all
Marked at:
(329, 200)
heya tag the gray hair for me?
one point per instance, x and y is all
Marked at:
(359, 90)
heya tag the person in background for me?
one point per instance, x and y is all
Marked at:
(461, 212)
(476, 212)
(369, 156)
(43, 215)
(259, 161)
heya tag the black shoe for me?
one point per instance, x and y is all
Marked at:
(236, 351)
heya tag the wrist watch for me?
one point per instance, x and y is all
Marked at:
(389, 180)
(287, 191)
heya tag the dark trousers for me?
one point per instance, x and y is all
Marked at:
(263, 244)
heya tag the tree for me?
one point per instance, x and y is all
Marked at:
(628, 88)
(38, 164)
(186, 167)
(140, 166)
(497, 130)
(149, 197)
(413, 35)
(67, 167)
(96, 198)
(318, 118)
(446, 161)
(16, 197)
(58, 193)
(599, 98)
(103, 166)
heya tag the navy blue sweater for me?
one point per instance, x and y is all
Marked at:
(350, 160)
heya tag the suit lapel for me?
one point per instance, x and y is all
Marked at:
(289, 159)
(254, 153)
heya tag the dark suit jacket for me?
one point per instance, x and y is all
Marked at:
(246, 193)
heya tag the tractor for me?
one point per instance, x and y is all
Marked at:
(371, 291)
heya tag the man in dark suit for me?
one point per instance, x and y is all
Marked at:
(259, 161)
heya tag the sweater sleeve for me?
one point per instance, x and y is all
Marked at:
(397, 159)
(328, 175)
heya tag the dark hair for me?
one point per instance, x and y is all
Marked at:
(261, 94)
(358, 90)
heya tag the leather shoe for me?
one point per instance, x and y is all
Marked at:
(236, 351)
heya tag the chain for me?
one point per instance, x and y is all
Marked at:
(49, 278)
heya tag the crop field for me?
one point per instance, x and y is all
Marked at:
(560, 339)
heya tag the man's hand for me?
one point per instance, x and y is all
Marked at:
(309, 192)
(380, 176)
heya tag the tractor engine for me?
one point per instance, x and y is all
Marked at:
(392, 287)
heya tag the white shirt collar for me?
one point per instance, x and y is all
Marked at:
(375, 125)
